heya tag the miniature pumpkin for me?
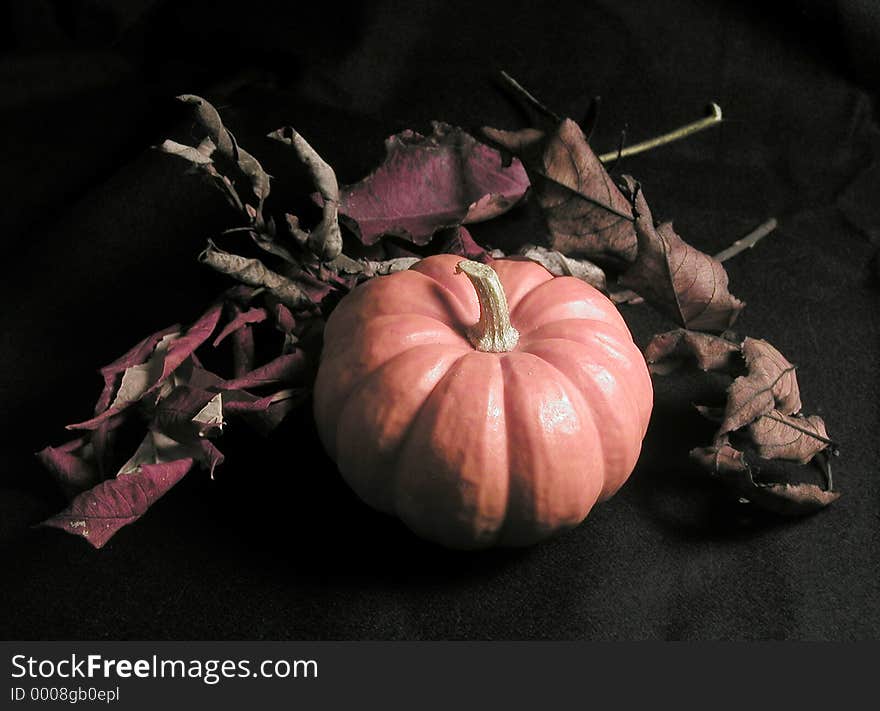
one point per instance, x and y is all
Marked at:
(483, 405)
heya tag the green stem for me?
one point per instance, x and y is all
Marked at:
(712, 119)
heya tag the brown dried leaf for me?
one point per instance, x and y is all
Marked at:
(668, 351)
(780, 436)
(729, 464)
(770, 384)
(680, 280)
(587, 215)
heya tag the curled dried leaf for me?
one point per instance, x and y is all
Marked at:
(780, 436)
(769, 384)
(97, 514)
(209, 120)
(667, 351)
(72, 466)
(325, 240)
(688, 285)
(254, 273)
(730, 465)
(198, 156)
(429, 183)
(587, 215)
(559, 265)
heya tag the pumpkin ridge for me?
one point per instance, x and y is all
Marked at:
(461, 325)
(581, 293)
(588, 408)
(344, 395)
(528, 336)
(533, 517)
(404, 439)
(631, 398)
(391, 317)
(617, 351)
(601, 338)
(365, 380)
(629, 401)
(391, 363)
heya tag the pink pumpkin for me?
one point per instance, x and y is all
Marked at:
(477, 419)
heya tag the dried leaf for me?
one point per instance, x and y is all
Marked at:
(780, 436)
(667, 351)
(459, 241)
(198, 156)
(427, 183)
(266, 413)
(97, 514)
(254, 273)
(729, 465)
(240, 321)
(388, 266)
(71, 466)
(688, 285)
(138, 379)
(559, 265)
(586, 213)
(325, 240)
(209, 121)
(175, 413)
(136, 356)
(257, 177)
(770, 384)
(209, 420)
(285, 368)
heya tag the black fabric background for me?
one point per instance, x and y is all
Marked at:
(100, 234)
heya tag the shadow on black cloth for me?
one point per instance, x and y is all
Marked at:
(100, 236)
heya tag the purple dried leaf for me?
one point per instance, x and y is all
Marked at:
(458, 241)
(284, 319)
(71, 466)
(136, 356)
(285, 368)
(97, 514)
(427, 183)
(266, 413)
(241, 320)
(184, 346)
(175, 413)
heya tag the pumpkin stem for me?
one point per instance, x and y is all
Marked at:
(493, 333)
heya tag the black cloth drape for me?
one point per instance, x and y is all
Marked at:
(100, 233)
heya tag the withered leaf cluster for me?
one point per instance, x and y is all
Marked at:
(416, 202)
(162, 389)
(761, 420)
(593, 217)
